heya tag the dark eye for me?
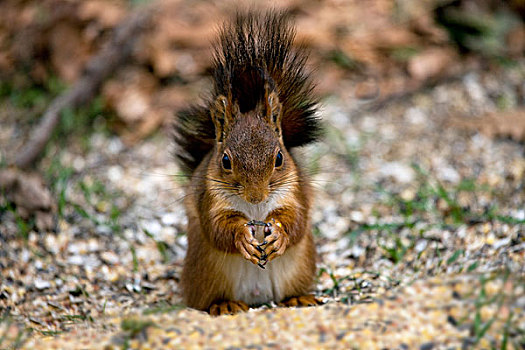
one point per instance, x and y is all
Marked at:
(226, 162)
(279, 159)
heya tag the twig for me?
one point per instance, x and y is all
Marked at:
(100, 67)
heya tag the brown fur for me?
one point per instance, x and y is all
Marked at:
(254, 57)
(221, 197)
(212, 229)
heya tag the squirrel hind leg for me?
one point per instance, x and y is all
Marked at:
(300, 301)
(227, 307)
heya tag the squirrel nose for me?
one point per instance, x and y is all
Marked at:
(255, 195)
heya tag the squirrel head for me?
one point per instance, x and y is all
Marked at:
(249, 159)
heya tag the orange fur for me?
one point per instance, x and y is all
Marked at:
(241, 170)
(212, 229)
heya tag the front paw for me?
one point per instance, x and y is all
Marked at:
(300, 301)
(228, 307)
(275, 242)
(248, 246)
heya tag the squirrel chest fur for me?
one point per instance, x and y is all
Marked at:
(248, 203)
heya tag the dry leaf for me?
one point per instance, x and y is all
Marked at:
(30, 195)
(130, 94)
(140, 104)
(393, 37)
(501, 124)
(69, 52)
(430, 63)
(505, 124)
(107, 13)
(426, 26)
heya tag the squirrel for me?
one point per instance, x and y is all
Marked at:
(248, 202)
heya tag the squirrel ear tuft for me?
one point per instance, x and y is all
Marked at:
(274, 111)
(221, 116)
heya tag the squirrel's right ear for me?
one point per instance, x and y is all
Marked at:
(221, 114)
(274, 111)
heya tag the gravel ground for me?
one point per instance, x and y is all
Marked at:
(409, 318)
(420, 229)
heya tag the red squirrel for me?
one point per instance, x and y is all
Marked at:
(249, 202)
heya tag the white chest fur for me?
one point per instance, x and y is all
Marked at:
(257, 211)
(252, 284)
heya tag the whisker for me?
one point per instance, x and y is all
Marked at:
(219, 181)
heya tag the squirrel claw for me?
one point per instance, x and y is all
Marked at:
(227, 308)
(248, 246)
(300, 301)
(266, 242)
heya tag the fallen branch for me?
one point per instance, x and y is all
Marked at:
(97, 70)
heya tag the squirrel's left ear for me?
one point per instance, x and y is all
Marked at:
(274, 111)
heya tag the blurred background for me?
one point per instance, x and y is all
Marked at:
(421, 172)
(360, 49)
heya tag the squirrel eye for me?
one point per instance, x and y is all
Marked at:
(279, 159)
(226, 163)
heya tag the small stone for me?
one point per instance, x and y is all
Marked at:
(415, 116)
(473, 87)
(93, 245)
(76, 260)
(427, 346)
(399, 172)
(115, 146)
(421, 245)
(133, 287)
(25, 256)
(104, 230)
(357, 251)
(490, 239)
(110, 258)
(41, 284)
(169, 219)
(51, 243)
(152, 226)
(501, 243)
(408, 194)
(448, 174)
(519, 214)
(357, 216)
